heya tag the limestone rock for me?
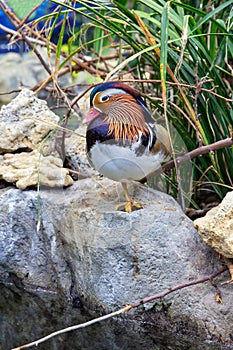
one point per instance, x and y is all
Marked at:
(86, 250)
(216, 227)
(23, 170)
(25, 122)
(27, 148)
(76, 153)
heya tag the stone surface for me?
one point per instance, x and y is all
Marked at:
(25, 122)
(85, 251)
(216, 227)
(27, 143)
(23, 169)
(76, 152)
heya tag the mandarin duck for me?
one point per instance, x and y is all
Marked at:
(123, 142)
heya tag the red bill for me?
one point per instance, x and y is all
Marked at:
(92, 114)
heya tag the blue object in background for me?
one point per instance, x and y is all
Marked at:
(45, 8)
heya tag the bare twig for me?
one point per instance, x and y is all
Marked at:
(24, 20)
(192, 154)
(127, 308)
(37, 53)
(71, 106)
(10, 92)
(179, 286)
(178, 84)
(67, 69)
(200, 151)
(15, 33)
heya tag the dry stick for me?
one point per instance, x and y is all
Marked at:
(199, 151)
(85, 65)
(125, 309)
(36, 52)
(65, 70)
(179, 286)
(15, 33)
(51, 77)
(39, 84)
(180, 110)
(28, 15)
(190, 155)
(178, 84)
(16, 23)
(72, 104)
(72, 328)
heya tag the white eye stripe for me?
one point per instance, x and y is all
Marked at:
(105, 95)
(114, 91)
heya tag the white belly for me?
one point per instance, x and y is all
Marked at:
(121, 163)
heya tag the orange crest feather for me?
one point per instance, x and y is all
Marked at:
(125, 118)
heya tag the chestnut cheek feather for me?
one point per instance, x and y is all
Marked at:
(92, 114)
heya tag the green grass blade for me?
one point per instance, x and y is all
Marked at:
(164, 45)
(211, 14)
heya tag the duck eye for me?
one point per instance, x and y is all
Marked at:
(104, 98)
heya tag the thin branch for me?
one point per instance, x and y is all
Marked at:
(183, 113)
(36, 52)
(24, 20)
(192, 154)
(16, 22)
(72, 104)
(73, 328)
(15, 33)
(126, 308)
(67, 69)
(179, 286)
(200, 151)
(178, 84)
(10, 91)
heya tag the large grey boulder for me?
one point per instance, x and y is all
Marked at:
(82, 249)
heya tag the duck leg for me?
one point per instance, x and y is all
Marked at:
(130, 204)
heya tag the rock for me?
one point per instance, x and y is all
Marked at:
(85, 250)
(28, 144)
(23, 169)
(76, 153)
(25, 122)
(216, 227)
